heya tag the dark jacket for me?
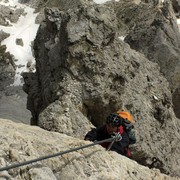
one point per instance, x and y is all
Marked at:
(101, 134)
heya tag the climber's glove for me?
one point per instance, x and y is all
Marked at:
(117, 136)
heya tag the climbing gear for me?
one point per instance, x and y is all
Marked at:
(127, 151)
(114, 119)
(128, 124)
(110, 145)
(56, 154)
(126, 116)
(132, 137)
(117, 136)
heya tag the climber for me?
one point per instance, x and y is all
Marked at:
(114, 124)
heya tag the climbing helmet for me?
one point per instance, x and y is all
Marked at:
(114, 119)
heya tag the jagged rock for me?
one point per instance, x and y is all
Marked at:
(24, 1)
(176, 7)
(176, 99)
(20, 142)
(19, 42)
(3, 35)
(8, 14)
(84, 72)
(7, 68)
(12, 99)
(154, 32)
(29, 64)
(62, 4)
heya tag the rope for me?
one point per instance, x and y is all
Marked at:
(110, 145)
(54, 155)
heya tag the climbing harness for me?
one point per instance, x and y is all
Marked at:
(112, 139)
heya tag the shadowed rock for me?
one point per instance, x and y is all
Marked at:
(84, 72)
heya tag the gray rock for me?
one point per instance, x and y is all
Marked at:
(19, 42)
(176, 7)
(20, 143)
(9, 14)
(41, 173)
(12, 99)
(84, 72)
(154, 32)
(7, 67)
(62, 4)
(3, 35)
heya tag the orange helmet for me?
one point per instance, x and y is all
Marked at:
(126, 115)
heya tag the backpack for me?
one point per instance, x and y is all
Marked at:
(127, 151)
(128, 124)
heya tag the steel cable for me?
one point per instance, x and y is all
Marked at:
(12, 166)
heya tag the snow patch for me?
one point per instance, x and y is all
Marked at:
(121, 38)
(178, 21)
(26, 30)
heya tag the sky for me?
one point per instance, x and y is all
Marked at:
(26, 29)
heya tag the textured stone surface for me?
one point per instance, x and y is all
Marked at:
(9, 15)
(84, 72)
(3, 35)
(20, 142)
(7, 67)
(154, 32)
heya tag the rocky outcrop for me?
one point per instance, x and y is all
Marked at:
(9, 15)
(12, 99)
(153, 31)
(3, 35)
(20, 142)
(176, 7)
(84, 71)
(7, 68)
(62, 4)
(40, 5)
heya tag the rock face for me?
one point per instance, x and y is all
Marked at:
(20, 142)
(7, 68)
(84, 71)
(3, 35)
(8, 14)
(154, 32)
(12, 99)
(62, 4)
